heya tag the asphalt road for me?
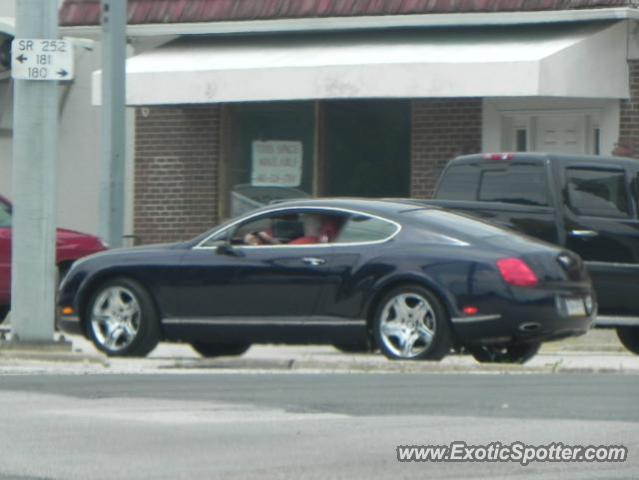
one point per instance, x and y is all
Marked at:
(318, 426)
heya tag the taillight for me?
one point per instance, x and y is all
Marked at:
(515, 272)
(498, 156)
(470, 310)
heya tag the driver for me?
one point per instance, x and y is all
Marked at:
(312, 224)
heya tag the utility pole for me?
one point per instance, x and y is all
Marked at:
(114, 14)
(35, 151)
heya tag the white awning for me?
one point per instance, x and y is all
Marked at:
(7, 25)
(586, 61)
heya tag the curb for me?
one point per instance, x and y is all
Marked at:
(301, 366)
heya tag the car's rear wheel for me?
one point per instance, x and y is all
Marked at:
(208, 350)
(516, 353)
(121, 319)
(4, 311)
(629, 337)
(411, 324)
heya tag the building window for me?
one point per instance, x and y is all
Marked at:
(271, 154)
(521, 140)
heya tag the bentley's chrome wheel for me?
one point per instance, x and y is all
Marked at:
(115, 318)
(410, 323)
(407, 325)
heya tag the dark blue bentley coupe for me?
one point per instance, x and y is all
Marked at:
(413, 281)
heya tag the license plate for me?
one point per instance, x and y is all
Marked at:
(575, 307)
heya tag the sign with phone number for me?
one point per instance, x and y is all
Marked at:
(276, 163)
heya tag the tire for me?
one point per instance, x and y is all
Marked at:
(629, 337)
(4, 311)
(210, 350)
(411, 324)
(121, 319)
(518, 353)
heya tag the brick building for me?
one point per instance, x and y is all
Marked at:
(357, 97)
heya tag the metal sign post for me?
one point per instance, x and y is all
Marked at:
(35, 148)
(113, 121)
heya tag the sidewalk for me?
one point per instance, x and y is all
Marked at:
(598, 352)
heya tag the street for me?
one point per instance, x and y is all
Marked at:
(302, 425)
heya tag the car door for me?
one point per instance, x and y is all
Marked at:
(254, 284)
(352, 273)
(602, 227)
(5, 253)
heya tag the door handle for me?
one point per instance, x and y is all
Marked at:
(316, 262)
(583, 233)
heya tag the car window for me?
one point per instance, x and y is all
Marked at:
(459, 182)
(596, 192)
(362, 228)
(282, 227)
(5, 215)
(454, 223)
(517, 183)
(302, 227)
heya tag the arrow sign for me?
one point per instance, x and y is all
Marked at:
(42, 59)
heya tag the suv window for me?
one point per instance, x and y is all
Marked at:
(5, 215)
(459, 183)
(360, 228)
(598, 193)
(518, 183)
(522, 183)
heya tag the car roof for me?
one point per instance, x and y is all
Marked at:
(381, 206)
(543, 156)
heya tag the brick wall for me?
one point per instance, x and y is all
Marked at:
(441, 130)
(629, 121)
(176, 172)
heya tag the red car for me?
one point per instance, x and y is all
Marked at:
(70, 246)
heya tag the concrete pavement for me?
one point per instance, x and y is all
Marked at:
(317, 426)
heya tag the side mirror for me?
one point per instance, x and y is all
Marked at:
(230, 250)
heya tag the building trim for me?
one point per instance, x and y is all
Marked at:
(364, 22)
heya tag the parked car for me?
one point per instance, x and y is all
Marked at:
(586, 204)
(414, 280)
(70, 246)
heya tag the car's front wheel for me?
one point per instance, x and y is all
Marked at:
(629, 337)
(121, 319)
(517, 353)
(207, 349)
(411, 324)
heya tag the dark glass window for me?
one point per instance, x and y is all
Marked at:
(518, 183)
(360, 228)
(445, 221)
(599, 193)
(521, 140)
(5, 215)
(459, 183)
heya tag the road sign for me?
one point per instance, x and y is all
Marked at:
(41, 59)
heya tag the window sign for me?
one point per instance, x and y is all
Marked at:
(276, 163)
